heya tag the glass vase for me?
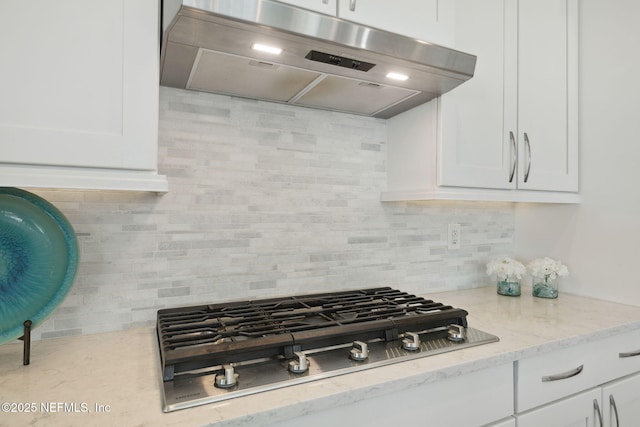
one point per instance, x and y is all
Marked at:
(545, 287)
(509, 287)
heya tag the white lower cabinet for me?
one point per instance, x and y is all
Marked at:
(577, 411)
(621, 402)
(590, 384)
(616, 404)
(594, 384)
(482, 398)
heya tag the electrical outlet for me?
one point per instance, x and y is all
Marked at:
(453, 240)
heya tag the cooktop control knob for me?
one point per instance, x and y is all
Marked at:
(411, 342)
(299, 364)
(456, 333)
(360, 351)
(228, 379)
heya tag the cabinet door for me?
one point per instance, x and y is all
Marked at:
(577, 411)
(468, 400)
(509, 422)
(79, 83)
(429, 20)
(551, 376)
(547, 95)
(477, 122)
(621, 402)
(325, 6)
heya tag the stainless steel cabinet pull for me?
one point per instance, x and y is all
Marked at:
(352, 5)
(612, 403)
(514, 156)
(629, 354)
(564, 375)
(597, 409)
(528, 145)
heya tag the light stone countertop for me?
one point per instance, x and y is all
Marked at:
(114, 378)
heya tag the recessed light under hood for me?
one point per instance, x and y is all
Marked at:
(325, 62)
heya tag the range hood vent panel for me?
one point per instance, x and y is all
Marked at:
(247, 77)
(207, 46)
(341, 94)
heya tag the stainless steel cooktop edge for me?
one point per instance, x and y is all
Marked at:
(187, 391)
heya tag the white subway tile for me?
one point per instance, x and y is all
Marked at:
(265, 199)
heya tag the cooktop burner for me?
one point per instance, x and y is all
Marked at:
(220, 351)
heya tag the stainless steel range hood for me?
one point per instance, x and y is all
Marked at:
(325, 62)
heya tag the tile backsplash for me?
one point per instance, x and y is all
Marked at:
(264, 200)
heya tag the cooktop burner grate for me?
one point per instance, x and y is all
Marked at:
(204, 336)
(215, 352)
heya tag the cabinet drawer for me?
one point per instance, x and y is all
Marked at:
(552, 376)
(623, 354)
(469, 400)
(548, 377)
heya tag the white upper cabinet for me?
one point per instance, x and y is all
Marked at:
(79, 105)
(477, 121)
(428, 20)
(328, 7)
(515, 124)
(548, 95)
(512, 128)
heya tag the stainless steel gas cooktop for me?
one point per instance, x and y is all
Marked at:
(215, 352)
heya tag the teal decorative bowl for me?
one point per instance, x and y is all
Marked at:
(38, 260)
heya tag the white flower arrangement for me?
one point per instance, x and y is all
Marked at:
(547, 268)
(505, 268)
